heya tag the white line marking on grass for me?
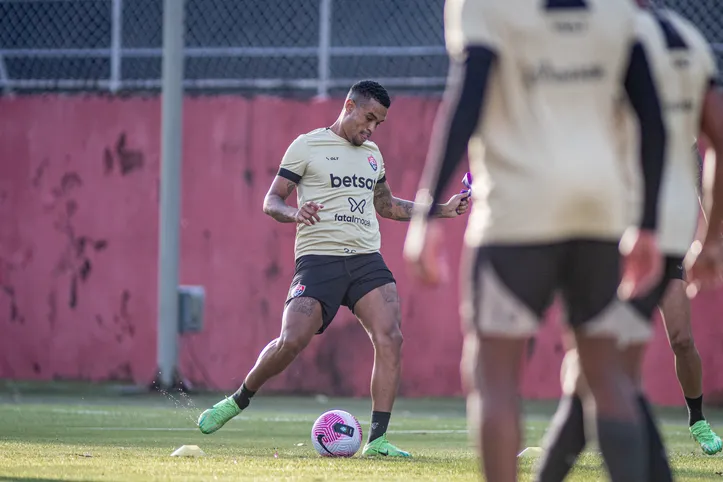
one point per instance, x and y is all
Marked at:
(107, 413)
(82, 412)
(148, 429)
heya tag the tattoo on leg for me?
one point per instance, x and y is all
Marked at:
(303, 305)
(390, 294)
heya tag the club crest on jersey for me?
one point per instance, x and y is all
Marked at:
(373, 163)
(297, 290)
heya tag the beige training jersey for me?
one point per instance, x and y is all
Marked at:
(683, 65)
(331, 171)
(545, 164)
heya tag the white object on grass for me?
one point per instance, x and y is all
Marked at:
(531, 452)
(188, 451)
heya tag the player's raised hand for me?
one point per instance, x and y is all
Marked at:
(704, 266)
(642, 263)
(307, 213)
(456, 206)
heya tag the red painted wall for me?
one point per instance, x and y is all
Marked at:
(78, 251)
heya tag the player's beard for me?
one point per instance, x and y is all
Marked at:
(359, 139)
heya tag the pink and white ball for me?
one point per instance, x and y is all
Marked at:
(336, 433)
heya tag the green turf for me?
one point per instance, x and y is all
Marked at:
(77, 432)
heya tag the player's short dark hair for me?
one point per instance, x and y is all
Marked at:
(368, 89)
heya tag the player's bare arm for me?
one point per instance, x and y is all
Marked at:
(712, 127)
(705, 261)
(642, 260)
(275, 204)
(391, 207)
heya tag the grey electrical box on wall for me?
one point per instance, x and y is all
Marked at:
(191, 301)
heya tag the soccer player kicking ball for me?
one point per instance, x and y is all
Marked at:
(341, 186)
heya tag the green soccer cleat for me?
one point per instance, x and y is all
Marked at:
(381, 446)
(706, 437)
(216, 417)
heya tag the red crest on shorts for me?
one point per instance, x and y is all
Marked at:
(297, 290)
(373, 162)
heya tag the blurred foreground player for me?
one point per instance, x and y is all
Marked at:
(533, 89)
(339, 175)
(685, 70)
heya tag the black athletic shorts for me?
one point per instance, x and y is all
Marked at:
(509, 287)
(338, 280)
(673, 269)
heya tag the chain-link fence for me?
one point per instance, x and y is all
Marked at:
(285, 46)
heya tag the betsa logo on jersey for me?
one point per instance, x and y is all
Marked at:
(297, 290)
(353, 181)
(373, 163)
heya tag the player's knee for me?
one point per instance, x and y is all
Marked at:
(396, 338)
(498, 395)
(290, 344)
(389, 339)
(682, 343)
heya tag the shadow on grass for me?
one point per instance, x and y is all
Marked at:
(34, 479)
(684, 473)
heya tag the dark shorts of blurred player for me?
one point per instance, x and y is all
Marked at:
(673, 269)
(643, 310)
(570, 376)
(508, 288)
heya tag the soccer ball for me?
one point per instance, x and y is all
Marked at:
(336, 433)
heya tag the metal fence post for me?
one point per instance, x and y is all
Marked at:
(324, 67)
(116, 45)
(4, 80)
(170, 206)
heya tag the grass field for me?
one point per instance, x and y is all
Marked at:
(75, 432)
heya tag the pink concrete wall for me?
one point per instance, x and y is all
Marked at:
(78, 250)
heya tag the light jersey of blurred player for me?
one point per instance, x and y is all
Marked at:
(341, 185)
(684, 69)
(533, 89)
